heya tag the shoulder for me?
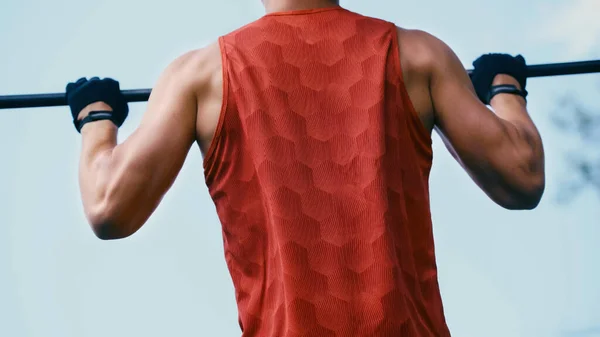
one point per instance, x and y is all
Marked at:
(423, 51)
(197, 65)
(195, 70)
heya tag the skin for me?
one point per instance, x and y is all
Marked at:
(288, 5)
(122, 184)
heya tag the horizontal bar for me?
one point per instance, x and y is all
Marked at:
(60, 99)
(142, 95)
(560, 69)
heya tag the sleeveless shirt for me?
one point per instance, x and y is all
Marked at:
(319, 172)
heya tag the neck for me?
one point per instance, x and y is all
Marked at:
(273, 6)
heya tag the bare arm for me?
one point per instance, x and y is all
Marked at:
(121, 185)
(501, 151)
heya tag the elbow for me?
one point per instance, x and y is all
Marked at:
(534, 197)
(106, 231)
(528, 197)
(526, 188)
(106, 224)
(528, 203)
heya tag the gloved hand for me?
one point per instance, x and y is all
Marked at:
(84, 92)
(488, 66)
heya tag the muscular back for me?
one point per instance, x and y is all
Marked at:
(318, 170)
(416, 55)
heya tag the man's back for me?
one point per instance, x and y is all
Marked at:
(319, 170)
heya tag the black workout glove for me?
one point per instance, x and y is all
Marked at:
(490, 65)
(84, 92)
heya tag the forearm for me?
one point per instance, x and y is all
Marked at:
(512, 108)
(521, 132)
(501, 151)
(523, 145)
(519, 127)
(109, 186)
(98, 143)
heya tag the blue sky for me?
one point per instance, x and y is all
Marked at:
(502, 273)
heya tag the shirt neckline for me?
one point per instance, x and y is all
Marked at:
(304, 11)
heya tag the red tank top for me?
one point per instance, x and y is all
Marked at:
(319, 172)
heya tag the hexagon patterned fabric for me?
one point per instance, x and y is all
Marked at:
(319, 172)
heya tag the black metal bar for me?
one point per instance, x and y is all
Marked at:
(142, 95)
(59, 99)
(560, 69)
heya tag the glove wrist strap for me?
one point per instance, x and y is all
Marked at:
(94, 116)
(506, 89)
